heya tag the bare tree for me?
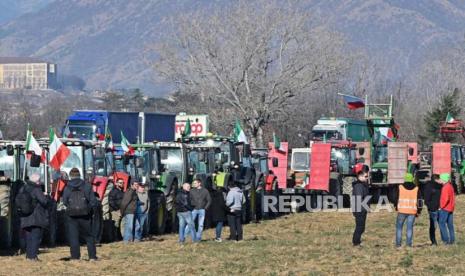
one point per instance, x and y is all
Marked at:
(251, 58)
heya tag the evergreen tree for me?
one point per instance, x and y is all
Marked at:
(448, 104)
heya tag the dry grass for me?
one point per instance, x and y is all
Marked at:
(308, 244)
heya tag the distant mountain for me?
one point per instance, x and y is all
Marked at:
(11, 9)
(105, 42)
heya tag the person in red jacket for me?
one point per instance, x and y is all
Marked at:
(446, 209)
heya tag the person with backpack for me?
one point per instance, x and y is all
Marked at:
(234, 201)
(115, 197)
(128, 211)
(32, 206)
(80, 201)
(218, 211)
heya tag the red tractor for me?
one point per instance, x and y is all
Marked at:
(95, 165)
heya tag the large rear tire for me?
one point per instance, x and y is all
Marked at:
(171, 208)
(108, 231)
(6, 218)
(457, 182)
(347, 189)
(157, 214)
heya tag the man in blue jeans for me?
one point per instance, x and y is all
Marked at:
(184, 209)
(128, 211)
(143, 205)
(408, 207)
(432, 194)
(201, 201)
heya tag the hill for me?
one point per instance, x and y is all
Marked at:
(106, 42)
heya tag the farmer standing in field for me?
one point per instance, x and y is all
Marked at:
(408, 207)
(201, 201)
(432, 195)
(446, 209)
(114, 200)
(184, 212)
(360, 193)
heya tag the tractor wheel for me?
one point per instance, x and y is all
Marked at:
(457, 181)
(97, 224)
(347, 188)
(252, 202)
(171, 208)
(6, 225)
(50, 234)
(157, 214)
(108, 231)
(259, 199)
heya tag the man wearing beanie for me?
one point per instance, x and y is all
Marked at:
(408, 207)
(446, 209)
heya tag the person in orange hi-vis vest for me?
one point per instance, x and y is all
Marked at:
(446, 209)
(408, 207)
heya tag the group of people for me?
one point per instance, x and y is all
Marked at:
(438, 195)
(129, 210)
(192, 205)
(80, 202)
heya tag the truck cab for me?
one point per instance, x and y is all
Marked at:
(300, 166)
(340, 129)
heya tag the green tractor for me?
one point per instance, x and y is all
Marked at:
(221, 160)
(162, 166)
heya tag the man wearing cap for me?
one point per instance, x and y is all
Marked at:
(446, 209)
(359, 195)
(408, 206)
(143, 205)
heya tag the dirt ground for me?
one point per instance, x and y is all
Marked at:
(303, 244)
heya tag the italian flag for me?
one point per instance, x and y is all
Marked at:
(108, 140)
(187, 129)
(58, 151)
(277, 143)
(32, 145)
(449, 118)
(239, 134)
(127, 148)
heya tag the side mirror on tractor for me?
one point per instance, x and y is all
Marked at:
(35, 161)
(361, 151)
(411, 151)
(247, 150)
(275, 162)
(10, 150)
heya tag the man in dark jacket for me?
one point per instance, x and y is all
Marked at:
(184, 210)
(128, 210)
(115, 197)
(80, 226)
(360, 193)
(432, 195)
(34, 224)
(201, 200)
(218, 211)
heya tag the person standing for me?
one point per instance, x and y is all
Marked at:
(80, 200)
(114, 200)
(128, 210)
(218, 210)
(234, 201)
(446, 209)
(201, 200)
(432, 194)
(360, 193)
(184, 212)
(143, 205)
(36, 218)
(408, 208)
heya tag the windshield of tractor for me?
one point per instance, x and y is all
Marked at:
(300, 161)
(80, 129)
(103, 162)
(380, 154)
(260, 163)
(343, 157)
(74, 160)
(456, 155)
(139, 164)
(171, 159)
(322, 135)
(7, 164)
(198, 161)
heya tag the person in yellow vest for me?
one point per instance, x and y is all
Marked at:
(408, 207)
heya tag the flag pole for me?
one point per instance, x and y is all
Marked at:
(25, 152)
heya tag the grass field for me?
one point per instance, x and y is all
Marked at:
(304, 244)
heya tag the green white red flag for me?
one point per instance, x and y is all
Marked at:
(58, 151)
(108, 140)
(449, 118)
(277, 143)
(32, 145)
(239, 134)
(127, 148)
